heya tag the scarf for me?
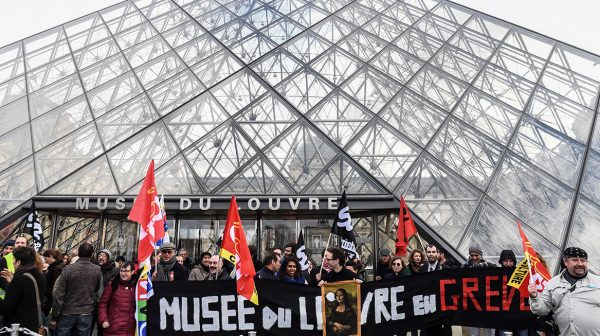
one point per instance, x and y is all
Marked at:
(24, 269)
(164, 268)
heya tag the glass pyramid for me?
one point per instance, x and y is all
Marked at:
(477, 122)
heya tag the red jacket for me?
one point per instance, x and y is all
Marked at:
(118, 308)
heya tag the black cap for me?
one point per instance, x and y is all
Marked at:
(507, 255)
(575, 252)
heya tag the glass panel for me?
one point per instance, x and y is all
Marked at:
(12, 90)
(276, 66)
(257, 178)
(458, 63)
(262, 17)
(252, 47)
(518, 62)
(304, 90)
(356, 14)
(49, 73)
(371, 88)
(576, 60)
(175, 91)
(173, 178)
(479, 45)
(443, 200)
(413, 117)
(143, 52)
(505, 86)
(198, 49)
(385, 27)
(282, 30)
(95, 53)
(15, 146)
(170, 20)
(104, 71)
(336, 65)
(11, 61)
(121, 238)
(54, 95)
(72, 231)
(397, 63)
(342, 175)
(197, 236)
(182, 34)
(316, 233)
(112, 94)
(572, 85)
(418, 43)
(46, 54)
(216, 18)
(333, 29)
(277, 232)
(308, 15)
(362, 44)
(585, 231)
(238, 91)
(232, 32)
(555, 153)
(89, 36)
(441, 89)
(590, 186)
(437, 27)
(17, 185)
(13, 115)
(530, 42)
(385, 155)
(452, 12)
(532, 196)
(121, 17)
(489, 26)
(159, 69)
(307, 46)
(130, 159)
(404, 13)
(93, 179)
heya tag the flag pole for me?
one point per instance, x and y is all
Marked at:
(421, 241)
(323, 259)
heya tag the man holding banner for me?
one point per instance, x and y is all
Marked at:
(573, 296)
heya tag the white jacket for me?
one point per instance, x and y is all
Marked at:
(576, 312)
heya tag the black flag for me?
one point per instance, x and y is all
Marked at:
(34, 228)
(301, 252)
(342, 227)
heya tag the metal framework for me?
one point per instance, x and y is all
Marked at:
(476, 121)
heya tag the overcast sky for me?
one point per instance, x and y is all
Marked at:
(573, 22)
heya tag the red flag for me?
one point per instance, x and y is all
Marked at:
(539, 274)
(406, 229)
(146, 211)
(235, 249)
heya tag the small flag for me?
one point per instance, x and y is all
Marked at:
(536, 272)
(342, 227)
(301, 252)
(33, 227)
(163, 211)
(143, 292)
(406, 229)
(235, 249)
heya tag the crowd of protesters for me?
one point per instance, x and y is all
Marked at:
(73, 294)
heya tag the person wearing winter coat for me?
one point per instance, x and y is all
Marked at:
(20, 303)
(476, 261)
(116, 309)
(168, 268)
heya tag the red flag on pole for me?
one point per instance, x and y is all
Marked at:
(235, 249)
(530, 270)
(146, 211)
(406, 229)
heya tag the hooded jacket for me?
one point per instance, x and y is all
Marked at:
(20, 304)
(117, 307)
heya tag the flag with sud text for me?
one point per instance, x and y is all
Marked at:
(342, 227)
(146, 211)
(235, 249)
(34, 228)
(530, 270)
(406, 229)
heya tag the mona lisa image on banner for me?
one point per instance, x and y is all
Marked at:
(341, 308)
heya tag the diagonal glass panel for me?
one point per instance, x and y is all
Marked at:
(331, 5)
(465, 151)
(95, 53)
(504, 86)
(218, 155)
(438, 87)
(93, 179)
(46, 38)
(173, 178)
(54, 95)
(169, 20)
(157, 70)
(401, 11)
(67, 155)
(103, 71)
(283, 6)
(590, 186)
(356, 14)
(336, 65)
(11, 61)
(15, 146)
(572, 85)
(533, 196)
(175, 91)
(530, 42)
(371, 88)
(496, 229)
(219, 66)
(49, 73)
(125, 120)
(549, 150)
(17, 185)
(299, 155)
(307, 46)
(121, 17)
(487, 115)
(215, 18)
(146, 51)
(340, 117)
(155, 8)
(518, 62)
(384, 154)
(233, 31)
(256, 179)
(282, 30)
(129, 159)
(266, 119)
(342, 175)
(197, 8)
(12, 90)
(413, 116)
(442, 199)
(452, 12)
(333, 29)
(479, 45)
(112, 94)
(385, 27)
(489, 26)
(198, 49)
(458, 63)
(308, 15)
(577, 60)
(85, 31)
(362, 44)
(238, 91)
(60, 122)
(183, 34)
(437, 27)
(134, 37)
(378, 5)
(46, 54)
(262, 17)
(584, 230)
(252, 47)
(397, 63)
(277, 66)
(304, 90)
(241, 7)
(195, 119)
(418, 43)
(13, 115)
(561, 114)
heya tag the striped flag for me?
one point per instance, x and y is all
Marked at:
(163, 211)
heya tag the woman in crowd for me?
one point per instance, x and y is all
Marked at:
(415, 260)
(397, 267)
(342, 320)
(290, 271)
(116, 310)
(20, 305)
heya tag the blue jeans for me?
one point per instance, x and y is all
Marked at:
(74, 325)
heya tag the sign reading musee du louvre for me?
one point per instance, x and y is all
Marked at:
(479, 298)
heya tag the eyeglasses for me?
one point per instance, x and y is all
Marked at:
(397, 264)
(124, 270)
(167, 252)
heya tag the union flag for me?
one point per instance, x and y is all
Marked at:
(406, 229)
(536, 272)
